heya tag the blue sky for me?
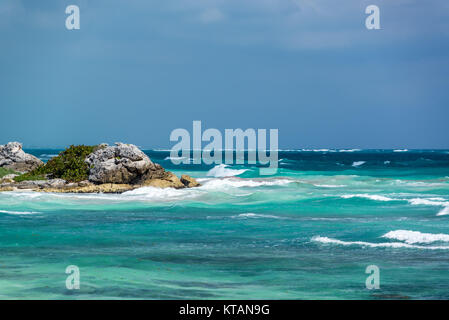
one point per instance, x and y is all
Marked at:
(138, 69)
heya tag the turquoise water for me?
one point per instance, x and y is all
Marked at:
(308, 232)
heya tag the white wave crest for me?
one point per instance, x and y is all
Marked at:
(153, 193)
(255, 215)
(327, 240)
(47, 155)
(412, 237)
(368, 196)
(429, 202)
(349, 150)
(317, 150)
(330, 185)
(444, 212)
(241, 183)
(358, 163)
(400, 150)
(177, 158)
(222, 170)
(18, 212)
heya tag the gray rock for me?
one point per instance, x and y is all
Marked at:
(13, 157)
(122, 163)
(10, 176)
(40, 184)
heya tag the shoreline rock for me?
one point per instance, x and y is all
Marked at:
(189, 182)
(13, 157)
(112, 169)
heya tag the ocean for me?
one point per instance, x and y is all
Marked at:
(308, 232)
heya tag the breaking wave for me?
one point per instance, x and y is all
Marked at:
(368, 196)
(237, 183)
(330, 185)
(412, 237)
(255, 215)
(222, 170)
(444, 212)
(326, 240)
(18, 212)
(153, 193)
(429, 201)
(358, 163)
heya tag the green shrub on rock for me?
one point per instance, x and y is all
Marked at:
(5, 172)
(68, 165)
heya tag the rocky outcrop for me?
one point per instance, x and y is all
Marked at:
(126, 164)
(189, 182)
(62, 186)
(93, 188)
(112, 169)
(122, 163)
(9, 178)
(13, 157)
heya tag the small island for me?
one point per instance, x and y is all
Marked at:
(85, 169)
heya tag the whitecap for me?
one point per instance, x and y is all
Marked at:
(368, 196)
(412, 183)
(412, 237)
(222, 170)
(444, 212)
(330, 185)
(317, 150)
(176, 158)
(18, 212)
(153, 193)
(429, 202)
(241, 183)
(358, 163)
(327, 240)
(255, 215)
(400, 150)
(349, 150)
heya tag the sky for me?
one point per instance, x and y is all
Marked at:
(138, 69)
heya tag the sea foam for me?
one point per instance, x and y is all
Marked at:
(223, 170)
(429, 202)
(327, 240)
(153, 193)
(255, 215)
(444, 212)
(368, 196)
(241, 183)
(412, 237)
(18, 212)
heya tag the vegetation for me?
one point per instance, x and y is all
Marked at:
(5, 172)
(30, 176)
(68, 165)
